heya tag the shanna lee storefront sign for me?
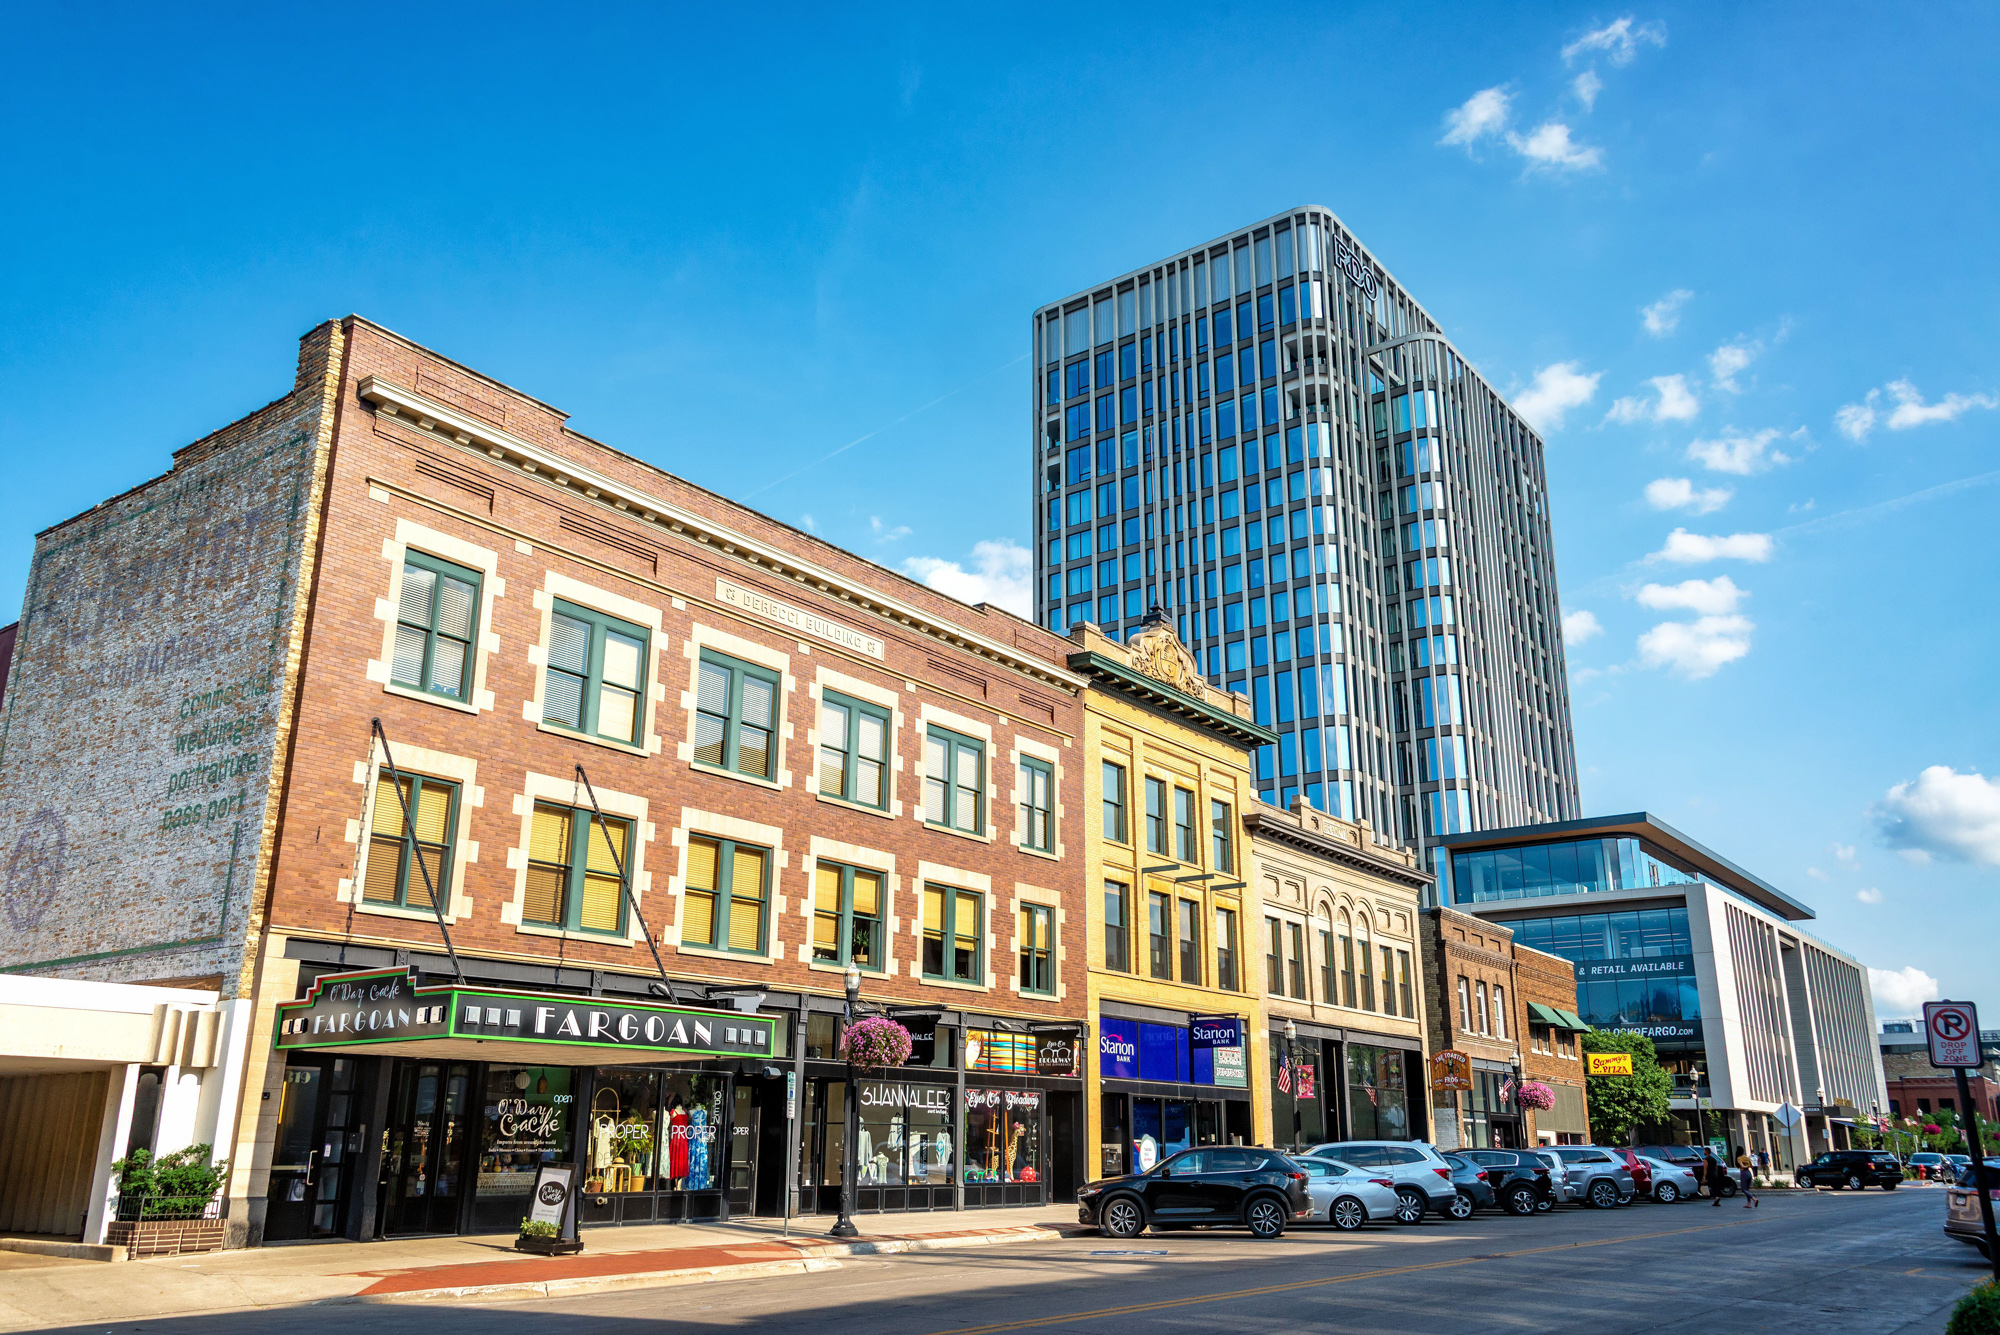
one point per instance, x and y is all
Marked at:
(386, 1006)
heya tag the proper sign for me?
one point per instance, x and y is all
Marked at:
(1953, 1030)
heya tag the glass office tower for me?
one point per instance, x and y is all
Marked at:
(1267, 438)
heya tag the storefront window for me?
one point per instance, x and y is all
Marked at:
(654, 1131)
(1378, 1098)
(1003, 1131)
(905, 1136)
(527, 1121)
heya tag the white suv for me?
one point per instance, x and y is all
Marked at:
(1422, 1177)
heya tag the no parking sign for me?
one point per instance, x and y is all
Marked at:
(1953, 1030)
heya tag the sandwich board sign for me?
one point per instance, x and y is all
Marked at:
(1952, 1029)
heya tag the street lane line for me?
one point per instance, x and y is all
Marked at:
(1297, 1285)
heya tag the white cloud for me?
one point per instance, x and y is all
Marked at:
(1869, 896)
(1677, 493)
(1856, 420)
(883, 533)
(808, 523)
(1696, 649)
(1580, 626)
(1002, 574)
(1549, 148)
(1620, 40)
(1685, 548)
(1944, 813)
(1557, 388)
(1731, 360)
(1709, 597)
(1587, 87)
(1901, 992)
(1845, 853)
(1664, 316)
(1484, 114)
(1676, 403)
(1816, 873)
(1735, 452)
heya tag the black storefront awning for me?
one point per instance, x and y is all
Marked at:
(383, 1010)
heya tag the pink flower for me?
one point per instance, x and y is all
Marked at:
(1535, 1094)
(874, 1042)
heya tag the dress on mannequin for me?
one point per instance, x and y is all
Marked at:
(698, 1150)
(677, 1143)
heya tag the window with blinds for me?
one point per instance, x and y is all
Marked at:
(954, 781)
(1038, 806)
(595, 681)
(395, 846)
(736, 716)
(1037, 949)
(437, 612)
(728, 890)
(847, 916)
(574, 870)
(952, 934)
(853, 751)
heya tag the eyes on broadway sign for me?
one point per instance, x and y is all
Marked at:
(386, 1006)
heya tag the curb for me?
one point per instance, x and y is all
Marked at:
(811, 1259)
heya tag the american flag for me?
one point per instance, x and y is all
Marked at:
(1285, 1074)
(1507, 1090)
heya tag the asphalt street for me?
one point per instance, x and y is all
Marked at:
(1847, 1262)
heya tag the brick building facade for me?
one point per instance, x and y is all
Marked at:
(1510, 1010)
(609, 698)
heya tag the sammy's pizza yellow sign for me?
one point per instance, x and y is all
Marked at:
(1610, 1063)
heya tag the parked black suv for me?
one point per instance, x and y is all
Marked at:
(1843, 1169)
(1217, 1184)
(1520, 1181)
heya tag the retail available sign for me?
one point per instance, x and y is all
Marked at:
(1609, 1063)
(387, 1006)
(1952, 1030)
(1634, 970)
(1451, 1069)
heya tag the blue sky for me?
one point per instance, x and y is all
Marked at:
(1736, 259)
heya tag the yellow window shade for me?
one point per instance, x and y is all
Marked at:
(603, 897)
(434, 814)
(698, 917)
(388, 814)
(550, 840)
(702, 857)
(606, 838)
(826, 889)
(746, 895)
(385, 857)
(867, 894)
(544, 901)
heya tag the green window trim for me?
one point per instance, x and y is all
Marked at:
(845, 932)
(1038, 805)
(393, 845)
(950, 801)
(1038, 950)
(1114, 803)
(1223, 827)
(954, 952)
(595, 681)
(725, 905)
(736, 716)
(575, 883)
(437, 627)
(854, 750)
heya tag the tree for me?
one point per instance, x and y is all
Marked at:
(1619, 1103)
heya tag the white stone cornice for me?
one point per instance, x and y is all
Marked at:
(611, 493)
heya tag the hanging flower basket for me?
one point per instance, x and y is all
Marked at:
(875, 1042)
(1535, 1094)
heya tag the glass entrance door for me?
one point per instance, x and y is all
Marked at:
(424, 1153)
(309, 1163)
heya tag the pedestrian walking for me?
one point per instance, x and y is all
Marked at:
(1746, 1178)
(1716, 1177)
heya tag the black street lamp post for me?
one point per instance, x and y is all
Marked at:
(843, 1227)
(1292, 1057)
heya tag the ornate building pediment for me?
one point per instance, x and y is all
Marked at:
(1159, 653)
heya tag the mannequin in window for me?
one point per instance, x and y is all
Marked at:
(677, 1141)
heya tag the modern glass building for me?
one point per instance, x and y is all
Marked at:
(1670, 939)
(1269, 439)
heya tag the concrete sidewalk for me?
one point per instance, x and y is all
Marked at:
(39, 1292)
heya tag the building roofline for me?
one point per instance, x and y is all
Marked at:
(1108, 674)
(1651, 827)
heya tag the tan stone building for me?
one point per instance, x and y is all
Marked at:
(1338, 930)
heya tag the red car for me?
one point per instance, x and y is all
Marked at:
(1642, 1176)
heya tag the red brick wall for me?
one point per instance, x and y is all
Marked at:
(393, 481)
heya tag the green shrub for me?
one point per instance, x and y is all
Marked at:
(1977, 1313)
(168, 1186)
(537, 1228)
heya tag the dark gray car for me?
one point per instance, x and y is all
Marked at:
(1597, 1176)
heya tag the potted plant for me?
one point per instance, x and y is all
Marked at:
(874, 1042)
(167, 1203)
(1534, 1094)
(545, 1239)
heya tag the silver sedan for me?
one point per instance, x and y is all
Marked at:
(1345, 1196)
(1671, 1181)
